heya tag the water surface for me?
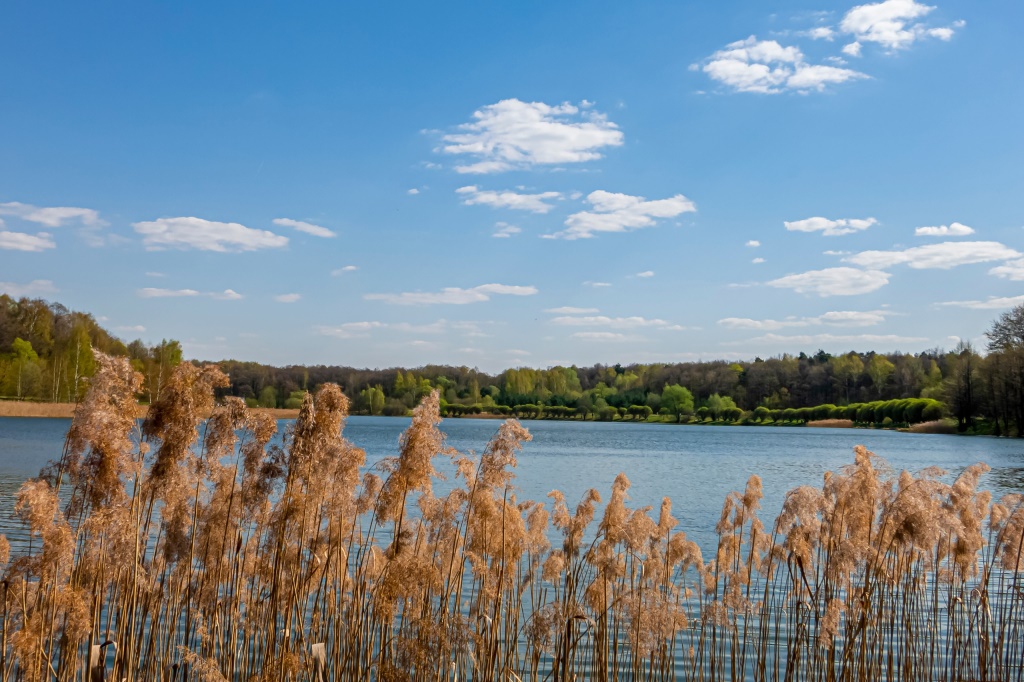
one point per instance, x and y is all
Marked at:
(696, 466)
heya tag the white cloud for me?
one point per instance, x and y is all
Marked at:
(830, 228)
(753, 243)
(836, 253)
(19, 241)
(951, 230)
(56, 216)
(767, 67)
(504, 230)
(621, 213)
(838, 318)
(453, 295)
(512, 134)
(942, 256)
(852, 49)
(412, 192)
(992, 303)
(308, 228)
(597, 284)
(287, 298)
(758, 261)
(833, 281)
(1012, 270)
(536, 203)
(351, 330)
(821, 33)
(892, 24)
(205, 235)
(154, 292)
(570, 310)
(600, 336)
(342, 271)
(830, 339)
(645, 273)
(610, 322)
(37, 287)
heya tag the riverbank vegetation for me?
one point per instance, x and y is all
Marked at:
(197, 550)
(45, 354)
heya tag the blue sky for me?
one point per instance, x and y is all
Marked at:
(516, 184)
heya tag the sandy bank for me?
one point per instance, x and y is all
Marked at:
(15, 408)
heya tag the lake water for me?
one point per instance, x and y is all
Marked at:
(696, 466)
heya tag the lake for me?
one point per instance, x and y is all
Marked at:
(696, 466)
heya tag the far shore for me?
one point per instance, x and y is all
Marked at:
(14, 408)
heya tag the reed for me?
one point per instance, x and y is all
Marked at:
(193, 548)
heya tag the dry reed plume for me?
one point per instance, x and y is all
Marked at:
(194, 549)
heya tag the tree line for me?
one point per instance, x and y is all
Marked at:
(46, 354)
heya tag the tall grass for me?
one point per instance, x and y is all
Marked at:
(196, 550)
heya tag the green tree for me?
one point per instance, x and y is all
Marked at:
(268, 397)
(718, 404)
(879, 369)
(846, 368)
(24, 356)
(677, 400)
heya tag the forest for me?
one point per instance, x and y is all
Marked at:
(46, 354)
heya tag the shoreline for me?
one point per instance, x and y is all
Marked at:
(34, 410)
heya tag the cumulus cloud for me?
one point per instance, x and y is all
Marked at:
(600, 336)
(351, 330)
(645, 274)
(830, 228)
(453, 295)
(205, 235)
(1012, 270)
(991, 303)
(537, 203)
(412, 192)
(753, 243)
(893, 24)
(611, 322)
(597, 285)
(833, 281)
(951, 230)
(837, 318)
(342, 271)
(942, 256)
(287, 298)
(765, 66)
(571, 310)
(614, 212)
(821, 33)
(308, 228)
(155, 292)
(362, 329)
(19, 241)
(37, 287)
(758, 261)
(513, 134)
(56, 216)
(504, 230)
(804, 339)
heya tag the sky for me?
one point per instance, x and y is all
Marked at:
(516, 184)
